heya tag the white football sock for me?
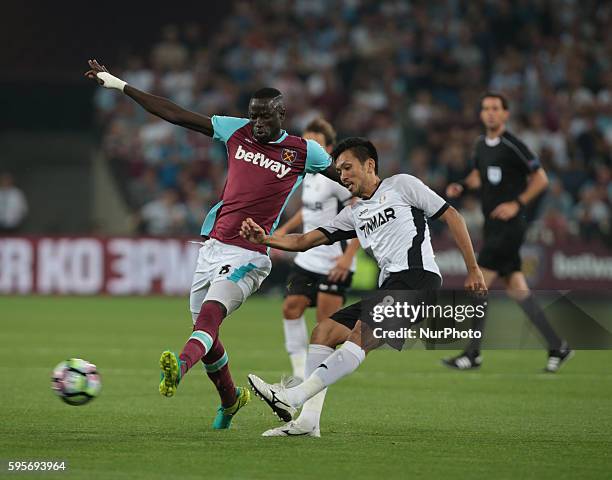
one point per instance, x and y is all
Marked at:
(296, 343)
(311, 412)
(342, 362)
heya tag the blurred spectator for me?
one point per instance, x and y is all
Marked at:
(13, 205)
(592, 214)
(170, 53)
(145, 188)
(164, 216)
(472, 213)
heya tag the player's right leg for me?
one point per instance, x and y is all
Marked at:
(325, 336)
(318, 351)
(284, 401)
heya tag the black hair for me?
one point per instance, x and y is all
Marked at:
(267, 93)
(502, 98)
(360, 147)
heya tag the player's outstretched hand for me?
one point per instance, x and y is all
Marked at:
(340, 271)
(252, 232)
(100, 74)
(454, 190)
(475, 281)
(94, 68)
(505, 211)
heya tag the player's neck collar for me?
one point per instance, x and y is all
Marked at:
(283, 135)
(377, 187)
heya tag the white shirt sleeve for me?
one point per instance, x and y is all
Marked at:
(341, 227)
(419, 195)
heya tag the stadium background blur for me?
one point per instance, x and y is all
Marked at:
(406, 74)
(113, 194)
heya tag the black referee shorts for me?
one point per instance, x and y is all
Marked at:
(502, 244)
(309, 284)
(419, 283)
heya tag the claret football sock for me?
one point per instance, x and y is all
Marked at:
(216, 364)
(205, 332)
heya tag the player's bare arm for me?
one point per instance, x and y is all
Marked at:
(332, 173)
(536, 184)
(343, 263)
(159, 106)
(290, 225)
(295, 242)
(471, 182)
(456, 224)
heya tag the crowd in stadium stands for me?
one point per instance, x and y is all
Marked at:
(13, 205)
(408, 75)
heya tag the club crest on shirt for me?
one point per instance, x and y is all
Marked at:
(288, 156)
(494, 174)
(383, 199)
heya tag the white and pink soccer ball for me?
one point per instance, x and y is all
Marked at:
(76, 381)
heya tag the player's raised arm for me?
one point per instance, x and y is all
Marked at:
(295, 242)
(162, 107)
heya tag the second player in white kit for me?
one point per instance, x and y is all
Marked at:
(320, 276)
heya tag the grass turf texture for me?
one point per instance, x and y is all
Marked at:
(399, 415)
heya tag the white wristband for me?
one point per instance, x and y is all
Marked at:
(111, 81)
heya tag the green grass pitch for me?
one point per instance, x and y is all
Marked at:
(401, 415)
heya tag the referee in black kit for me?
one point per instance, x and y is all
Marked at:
(509, 177)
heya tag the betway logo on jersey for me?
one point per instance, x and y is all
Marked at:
(261, 160)
(377, 220)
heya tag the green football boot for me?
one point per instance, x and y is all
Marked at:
(225, 415)
(170, 366)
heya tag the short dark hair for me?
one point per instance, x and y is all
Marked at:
(320, 125)
(502, 98)
(360, 147)
(267, 93)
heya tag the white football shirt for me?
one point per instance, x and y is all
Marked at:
(322, 199)
(392, 225)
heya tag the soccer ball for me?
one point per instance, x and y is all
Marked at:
(76, 381)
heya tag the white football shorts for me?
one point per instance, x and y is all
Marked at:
(227, 274)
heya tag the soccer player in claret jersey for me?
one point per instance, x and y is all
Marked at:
(265, 165)
(389, 221)
(509, 177)
(320, 276)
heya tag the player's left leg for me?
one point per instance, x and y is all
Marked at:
(216, 364)
(558, 350)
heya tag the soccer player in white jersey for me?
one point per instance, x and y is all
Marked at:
(389, 219)
(321, 275)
